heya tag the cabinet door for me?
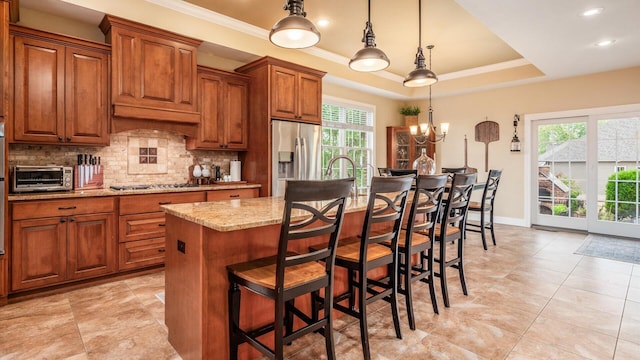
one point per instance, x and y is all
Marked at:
(38, 90)
(92, 246)
(236, 114)
(283, 93)
(211, 127)
(4, 64)
(86, 88)
(153, 71)
(309, 98)
(398, 148)
(39, 253)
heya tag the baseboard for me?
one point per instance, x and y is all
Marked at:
(500, 220)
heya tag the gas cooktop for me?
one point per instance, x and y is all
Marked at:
(151, 186)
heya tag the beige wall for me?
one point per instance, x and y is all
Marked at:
(463, 112)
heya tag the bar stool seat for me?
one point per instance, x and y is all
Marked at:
(349, 250)
(262, 272)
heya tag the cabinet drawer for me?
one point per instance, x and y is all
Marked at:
(52, 208)
(141, 253)
(141, 226)
(138, 204)
(231, 194)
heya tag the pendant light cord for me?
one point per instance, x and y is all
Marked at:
(420, 24)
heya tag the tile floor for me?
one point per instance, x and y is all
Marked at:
(529, 298)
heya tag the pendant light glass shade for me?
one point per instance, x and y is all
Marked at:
(294, 31)
(421, 76)
(369, 58)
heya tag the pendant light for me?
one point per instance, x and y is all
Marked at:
(294, 31)
(369, 58)
(421, 76)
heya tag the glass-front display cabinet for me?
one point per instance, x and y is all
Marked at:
(403, 148)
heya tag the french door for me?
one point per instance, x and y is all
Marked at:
(585, 172)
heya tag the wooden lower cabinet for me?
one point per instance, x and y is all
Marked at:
(91, 249)
(57, 249)
(141, 227)
(231, 194)
(141, 253)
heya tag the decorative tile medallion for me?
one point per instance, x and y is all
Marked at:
(147, 155)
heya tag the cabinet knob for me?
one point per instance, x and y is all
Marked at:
(68, 138)
(161, 250)
(59, 138)
(161, 224)
(72, 219)
(63, 220)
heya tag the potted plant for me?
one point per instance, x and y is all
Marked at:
(410, 115)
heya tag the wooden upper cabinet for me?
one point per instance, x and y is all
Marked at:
(4, 63)
(295, 95)
(86, 96)
(60, 89)
(223, 106)
(294, 92)
(154, 73)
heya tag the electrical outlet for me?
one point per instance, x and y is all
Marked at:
(182, 246)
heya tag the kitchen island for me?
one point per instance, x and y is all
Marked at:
(202, 239)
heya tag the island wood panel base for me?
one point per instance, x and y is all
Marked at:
(196, 312)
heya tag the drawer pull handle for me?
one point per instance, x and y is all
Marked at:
(161, 224)
(164, 203)
(161, 250)
(67, 208)
(234, 196)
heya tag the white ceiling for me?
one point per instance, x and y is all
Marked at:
(471, 37)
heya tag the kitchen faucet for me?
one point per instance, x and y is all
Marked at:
(354, 192)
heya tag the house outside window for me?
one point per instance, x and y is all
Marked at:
(347, 129)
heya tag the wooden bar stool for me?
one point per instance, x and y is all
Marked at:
(312, 209)
(366, 252)
(485, 208)
(451, 228)
(418, 238)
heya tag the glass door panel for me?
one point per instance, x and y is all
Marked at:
(618, 163)
(561, 168)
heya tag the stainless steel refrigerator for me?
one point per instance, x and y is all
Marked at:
(296, 153)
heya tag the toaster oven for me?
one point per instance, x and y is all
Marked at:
(28, 178)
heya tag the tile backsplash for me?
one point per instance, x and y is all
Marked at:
(122, 158)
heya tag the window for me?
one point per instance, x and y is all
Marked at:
(347, 129)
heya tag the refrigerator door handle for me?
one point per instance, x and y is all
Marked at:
(304, 159)
(297, 158)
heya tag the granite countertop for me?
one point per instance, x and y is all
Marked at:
(109, 192)
(231, 215)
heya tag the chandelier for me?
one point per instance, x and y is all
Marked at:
(428, 130)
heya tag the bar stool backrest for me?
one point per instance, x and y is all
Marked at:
(490, 189)
(312, 209)
(457, 204)
(385, 210)
(426, 205)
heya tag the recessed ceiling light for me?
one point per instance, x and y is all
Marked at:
(323, 22)
(605, 43)
(592, 12)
